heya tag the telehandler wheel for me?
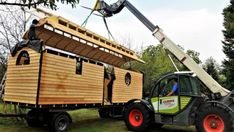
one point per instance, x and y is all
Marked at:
(214, 119)
(137, 117)
(60, 122)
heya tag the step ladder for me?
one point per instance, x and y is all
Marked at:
(2, 85)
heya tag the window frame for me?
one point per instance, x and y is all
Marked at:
(19, 57)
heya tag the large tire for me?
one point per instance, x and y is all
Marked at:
(60, 122)
(33, 119)
(213, 119)
(137, 117)
(158, 125)
(103, 113)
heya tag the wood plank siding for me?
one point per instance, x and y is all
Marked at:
(61, 85)
(122, 92)
(22, 80)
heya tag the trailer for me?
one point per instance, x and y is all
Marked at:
(62, 66)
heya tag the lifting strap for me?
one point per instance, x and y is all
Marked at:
(96, 7)
(86, 20)
(108, 30)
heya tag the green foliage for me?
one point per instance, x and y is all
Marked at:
(49, 3)
(156, 64)
(211, 67)
(228, 45)
(194, 55)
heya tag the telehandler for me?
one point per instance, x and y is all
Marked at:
(200, 100)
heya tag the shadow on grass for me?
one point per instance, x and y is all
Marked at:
(87, 121)
(117, 125)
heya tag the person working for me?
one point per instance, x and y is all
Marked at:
(174, 88)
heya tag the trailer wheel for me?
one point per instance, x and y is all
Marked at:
(158, 125)
(32, 119)
(103, 113)
(60, 122)
(137, 117)
(214, 119)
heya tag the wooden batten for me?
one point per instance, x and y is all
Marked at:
(61, 85)
(22, 80)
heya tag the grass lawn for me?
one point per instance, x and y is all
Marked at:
(84, 120)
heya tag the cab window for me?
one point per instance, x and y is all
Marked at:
(196, 86)
(164, 87)
(185, 85)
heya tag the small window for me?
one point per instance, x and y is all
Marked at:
(165, 86)
(128, 79)
(78, 66)
(23, 58)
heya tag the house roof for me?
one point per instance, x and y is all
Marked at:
(63, 34)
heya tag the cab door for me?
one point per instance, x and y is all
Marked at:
(189, 90)
(160, 100)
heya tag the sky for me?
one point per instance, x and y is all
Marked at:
(195, 25)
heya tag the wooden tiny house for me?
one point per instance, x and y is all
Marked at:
(69, 69)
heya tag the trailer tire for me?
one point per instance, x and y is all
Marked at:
(158, 125)
(137, 117)
(60, 122)
(32, 119)
(103, 113)
(34, 123)
(212, 118)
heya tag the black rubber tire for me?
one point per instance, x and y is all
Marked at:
(103, 113)
(209, 110)
(147, 120)
(60, 122)
(158, 125)
(32, 119)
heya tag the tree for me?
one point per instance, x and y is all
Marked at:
(228, 44)
(156, 64)
(194, 55)
(29, 3)
(211, 67)
(12, 25)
